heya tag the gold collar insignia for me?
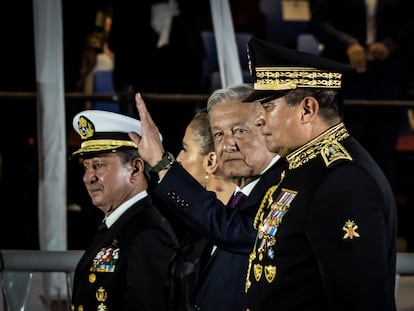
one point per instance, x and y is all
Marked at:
(327, 145)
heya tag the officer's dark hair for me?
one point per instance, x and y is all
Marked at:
(330, 101)
(128, 155)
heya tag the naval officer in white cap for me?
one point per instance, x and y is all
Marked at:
(126, 266)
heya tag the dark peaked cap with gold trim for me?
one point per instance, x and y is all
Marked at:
(104, 131)
(276, 69)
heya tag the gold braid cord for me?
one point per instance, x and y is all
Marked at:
(266, 202)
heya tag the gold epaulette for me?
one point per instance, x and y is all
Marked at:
(327, 145)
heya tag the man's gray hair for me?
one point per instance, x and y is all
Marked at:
(237, 91)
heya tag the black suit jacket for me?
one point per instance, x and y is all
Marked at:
(230, 229)
(220, 280)
(126, 267)
(337, 23)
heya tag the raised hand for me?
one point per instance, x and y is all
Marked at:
(150, 146)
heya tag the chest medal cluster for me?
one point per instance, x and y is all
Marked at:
(266, 239)
(105, 260)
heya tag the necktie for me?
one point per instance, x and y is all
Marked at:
(237, 199)
(102, 227)
(100, 231)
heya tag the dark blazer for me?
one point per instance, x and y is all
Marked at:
(331, 225)
(220, 279)
(126, 267)
(337, 23)
(230, 229)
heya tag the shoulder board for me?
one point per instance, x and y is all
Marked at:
(334, 151)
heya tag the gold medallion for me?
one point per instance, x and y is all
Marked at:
(258, 269)
(92, 278)
(270, 273)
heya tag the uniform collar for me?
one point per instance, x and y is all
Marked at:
(327, 145)
(113, 217)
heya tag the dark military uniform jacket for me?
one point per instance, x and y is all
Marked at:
(126, 266)
(326, 233)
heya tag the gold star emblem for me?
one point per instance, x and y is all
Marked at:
(350, 230)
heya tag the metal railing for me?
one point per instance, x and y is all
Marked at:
(179, 98)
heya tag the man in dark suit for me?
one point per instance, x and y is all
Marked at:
(372, 44)
(331, 222)
(220, 279)
(126, 266)
(242, 155)
(232, 125)
(143, 64)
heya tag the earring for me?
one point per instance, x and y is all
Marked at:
(206, 176)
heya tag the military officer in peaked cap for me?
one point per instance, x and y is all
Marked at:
(126, 266)
(326, 233)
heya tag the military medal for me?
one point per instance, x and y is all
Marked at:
(267, 230)
(266, 239)
(105, 260)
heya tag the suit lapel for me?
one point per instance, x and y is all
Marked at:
(267, 180)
